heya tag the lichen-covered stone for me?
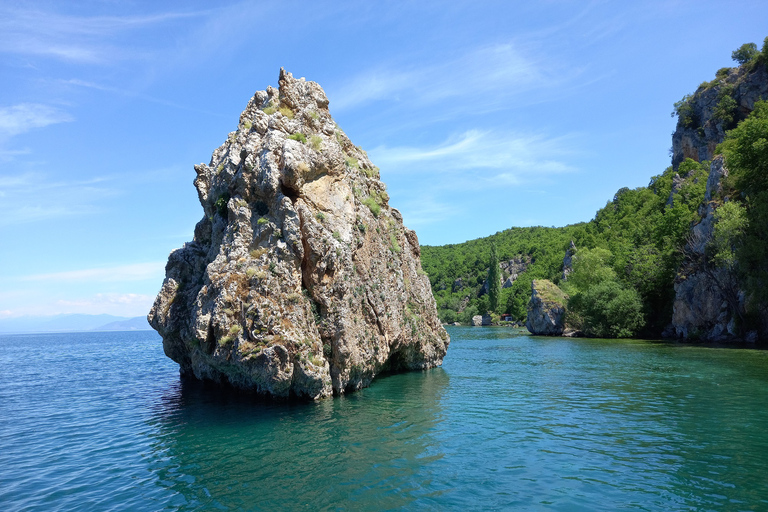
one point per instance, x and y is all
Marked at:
(546, 309)
(301, 279)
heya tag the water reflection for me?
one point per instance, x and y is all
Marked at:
(366, 451)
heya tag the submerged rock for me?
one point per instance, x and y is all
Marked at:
(301, 279)
(546, 309)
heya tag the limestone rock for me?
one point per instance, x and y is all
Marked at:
(301, 279)
(698, 134)
(510, 271)
(546, 309)
(705, 297)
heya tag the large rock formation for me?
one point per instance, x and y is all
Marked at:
(701, 125)
(708, 300)
(301, 279)
(546, 309)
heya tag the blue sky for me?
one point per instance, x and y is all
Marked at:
(481, 116)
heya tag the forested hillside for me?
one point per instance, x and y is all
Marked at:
(628, 259)
(641, 231)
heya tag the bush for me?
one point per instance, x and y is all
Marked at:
(447, 316)
(722, 72)
(725, 111)
(765, 50)
(730, 223)
(221, 204)
(299, 137)
(316, 142)
(287, 112)
(684, 111)
(745, 53)
(372, 205)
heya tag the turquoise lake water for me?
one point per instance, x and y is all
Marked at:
(100, 421)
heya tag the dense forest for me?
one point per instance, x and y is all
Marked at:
(625, 261)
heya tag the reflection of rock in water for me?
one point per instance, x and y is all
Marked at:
(218, 449)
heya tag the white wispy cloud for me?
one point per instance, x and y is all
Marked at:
(479, 79)
(134, 94)
(425, 210)
(34, 196)
(120, 273)
(83, 39)
(490, 155)
(24, 117)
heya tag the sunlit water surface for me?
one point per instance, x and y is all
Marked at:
(100, 421)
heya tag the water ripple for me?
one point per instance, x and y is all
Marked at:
(101, 421)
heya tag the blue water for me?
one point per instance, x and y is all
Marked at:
(100, 421)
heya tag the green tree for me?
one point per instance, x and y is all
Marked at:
(590, 267)
(494, 280)
(745, 53)
(608, 310)
(730, 224)
(599, 304)
(746, 156)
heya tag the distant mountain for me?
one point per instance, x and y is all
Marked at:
(138, 323)
(73, 322)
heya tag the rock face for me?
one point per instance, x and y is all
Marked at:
(546, 309)
(510, 271)
(706, 298)
(700, 128)
(301, 280)
(568, 261)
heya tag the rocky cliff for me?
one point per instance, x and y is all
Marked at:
(715, 107)
(708, 301)
(546, 309)
(706, 297)
(301, 280)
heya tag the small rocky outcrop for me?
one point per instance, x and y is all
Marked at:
(546, 309)
(568, 261)
(510, 271)
(301, 280)
(701, 125)
(482, 320)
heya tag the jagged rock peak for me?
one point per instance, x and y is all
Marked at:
(301, 280)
